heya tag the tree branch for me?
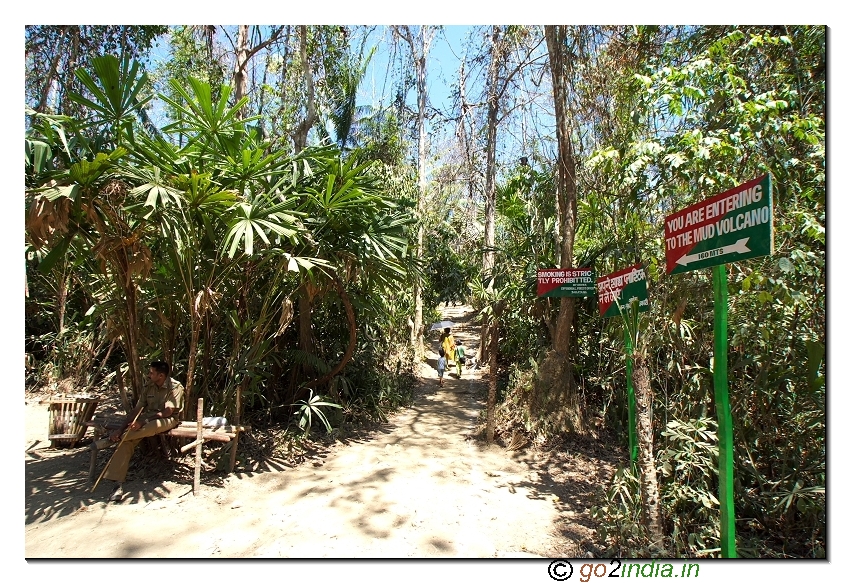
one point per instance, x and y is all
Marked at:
(274, 36)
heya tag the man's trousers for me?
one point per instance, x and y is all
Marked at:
(117, 470)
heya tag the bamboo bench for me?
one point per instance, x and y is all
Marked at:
(186, 429)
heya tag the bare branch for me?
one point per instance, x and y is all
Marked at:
(274, 36)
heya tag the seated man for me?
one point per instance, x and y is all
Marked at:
(161, 402)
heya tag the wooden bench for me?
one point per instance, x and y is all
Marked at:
(187, 429)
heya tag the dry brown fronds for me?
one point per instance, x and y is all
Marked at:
(46, 219)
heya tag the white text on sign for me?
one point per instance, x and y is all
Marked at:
(691, 228)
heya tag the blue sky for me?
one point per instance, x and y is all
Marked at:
(444, 58)
(442, 65)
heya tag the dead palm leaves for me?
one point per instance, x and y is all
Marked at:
(128, 255)
(518, 441)
(47, 218)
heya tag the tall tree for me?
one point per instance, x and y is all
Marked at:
(308, 290)
(559, 390)
(494, 72)
(240, 75)
(310, 117)
(467, 142)
(556, 42)
(499, 77)
(419, 44)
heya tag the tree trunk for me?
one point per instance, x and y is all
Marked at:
(243, 55)
(566, 183)
(646, 458)
(419, 52)
(305, 300)
(555, 393)
(131, 342)
(467, 140)
(490, 153)
(261, 105)
(209, 34)
(300, 136)
(422, 89)
(240, 75)
(70, 77)
(61, 302)
(489, 258)
(193, 353)
(51, 73)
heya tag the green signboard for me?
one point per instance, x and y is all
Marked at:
(730, 226)
(617, 290)
(565, 283)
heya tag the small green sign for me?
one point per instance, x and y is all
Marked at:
(565, 283)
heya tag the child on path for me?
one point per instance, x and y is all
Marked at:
(460, 357)
(441, 365)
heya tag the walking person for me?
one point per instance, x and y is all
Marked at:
(448, 344)
(460, 357)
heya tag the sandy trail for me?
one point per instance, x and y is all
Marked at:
(419, 488)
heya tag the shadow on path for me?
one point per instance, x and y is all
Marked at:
(421, 486)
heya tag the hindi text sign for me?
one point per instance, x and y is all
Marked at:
(618, 289)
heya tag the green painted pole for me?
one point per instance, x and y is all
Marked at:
(627, 338)
(724, 415)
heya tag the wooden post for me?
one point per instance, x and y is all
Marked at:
(236, 422)
(196, 486)
(61, 425)
(189, 446)
(96, 446)
(92, 462)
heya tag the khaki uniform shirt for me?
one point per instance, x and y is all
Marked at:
(155, 399)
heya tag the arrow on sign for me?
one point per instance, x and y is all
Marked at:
(739, 246)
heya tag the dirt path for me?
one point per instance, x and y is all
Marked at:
(419, 488)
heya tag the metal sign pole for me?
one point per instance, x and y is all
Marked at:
(724, 415)
(731, 226)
